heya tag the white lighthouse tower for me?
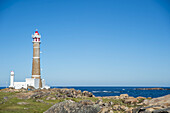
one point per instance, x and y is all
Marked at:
(12, 80)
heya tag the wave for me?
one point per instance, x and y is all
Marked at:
(116, 91)
(106, 91)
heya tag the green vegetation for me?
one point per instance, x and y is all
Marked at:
(9, 103)
(115, 101)
(85, 98)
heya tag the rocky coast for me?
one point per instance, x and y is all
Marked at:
(152, 88)
(75, 101)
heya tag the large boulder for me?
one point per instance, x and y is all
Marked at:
(69, 106)
(124, 96)
(163, 101)
(88, 94)
(152, 109)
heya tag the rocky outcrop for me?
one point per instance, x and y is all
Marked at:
(69, 106)
(152, 89)
(76, 101)
(56, 94)
(163, 101)
(124, 96)
(155, 105)
(151, 109)
(13, 90)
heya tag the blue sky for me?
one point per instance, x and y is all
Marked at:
(87, 42)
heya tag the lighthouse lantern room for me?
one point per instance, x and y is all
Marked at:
(36, 36)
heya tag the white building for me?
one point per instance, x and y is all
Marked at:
(28, 82)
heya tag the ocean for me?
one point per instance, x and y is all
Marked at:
(116, 91)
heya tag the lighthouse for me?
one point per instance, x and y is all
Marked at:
(35, 81)
(12, 80)
(36, 57)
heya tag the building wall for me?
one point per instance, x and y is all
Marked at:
(36, 59)
(19, 85)
(37, 83)
(36, 63)
(32, 82)
(12, 81)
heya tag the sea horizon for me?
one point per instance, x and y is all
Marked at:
(104, 86)
(118, 90)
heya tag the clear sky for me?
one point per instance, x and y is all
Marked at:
(87, 42)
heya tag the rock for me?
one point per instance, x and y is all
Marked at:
(48, 98)
(152, 88)
(100, 102)
(124, 108)
(146, 102)
(40, 93)
(106, 110)
(129, 110)
(110, 103)
(136, 110)
(140, 104)
(116, 97)
(124, 96)
(53, 98)
(69, 106)
(5, 98)
(149, 110)
(130, 100)
(22, 103)
(86, 102)
(149, 98)
(88, 94)
(116, 107)
(164, 110)
(105, 104)
(38, 100)
(140, 99)
(163, 101)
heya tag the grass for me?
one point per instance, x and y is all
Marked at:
(115, 101)
(10, 105)
(86, 98)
